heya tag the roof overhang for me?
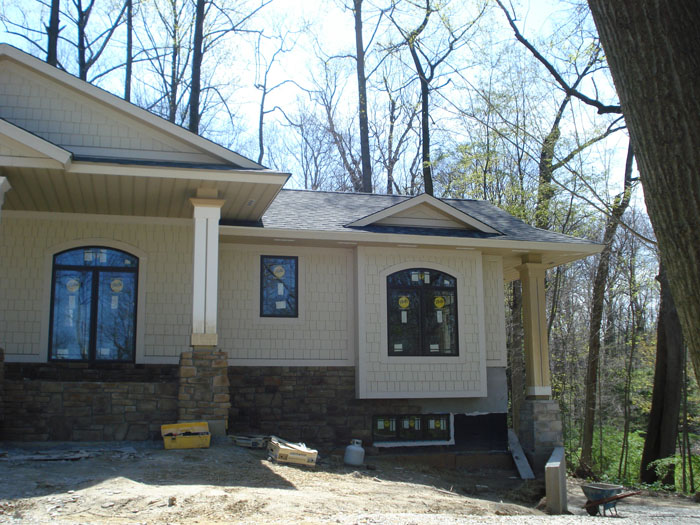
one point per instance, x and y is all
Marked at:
(424, 199)
(552, 253)
(152, 191)
(43, 150)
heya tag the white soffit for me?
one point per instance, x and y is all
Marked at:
(28, 146)
(424, 211)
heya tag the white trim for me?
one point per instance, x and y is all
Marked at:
(36, 143)
(575, 250)
(425, 199)
(4, 188)
(96, 217)
(9, 52)
(169, 172)
(384, 356)
(289, 362)
(49, 252)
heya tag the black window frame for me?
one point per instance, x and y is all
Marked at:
(407, 433)
(95, 270)
(423, 291)
(294, 314)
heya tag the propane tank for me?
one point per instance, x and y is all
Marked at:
(354, 453)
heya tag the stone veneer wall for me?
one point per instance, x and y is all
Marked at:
(540, 430)
(78, 402)
(315, 405)
(203, 394)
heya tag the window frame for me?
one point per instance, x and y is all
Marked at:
(422, 291)
(295, 313)
(95, 271)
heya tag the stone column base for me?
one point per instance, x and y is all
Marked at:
(540, 431)
(204, 388)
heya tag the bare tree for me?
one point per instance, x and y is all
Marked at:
(426, 62)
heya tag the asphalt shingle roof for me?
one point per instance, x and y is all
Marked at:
(332, 211)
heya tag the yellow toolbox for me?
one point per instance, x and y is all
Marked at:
(193, 434)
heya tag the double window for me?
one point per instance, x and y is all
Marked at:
(93, 305)
(422, 313)
(279, 294)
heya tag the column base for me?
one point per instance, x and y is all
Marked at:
(204, 388)
(540, 431)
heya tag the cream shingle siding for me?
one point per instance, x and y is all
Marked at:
(81, 125)
(322, 335)
(27, 246)
(381, 376)
(494, 310)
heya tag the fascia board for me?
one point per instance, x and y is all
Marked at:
(251, 176)
(429, 200)
(38, 144)
(578, 249)
(9, 52)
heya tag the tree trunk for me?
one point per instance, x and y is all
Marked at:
(52, 31)
(516, 359)
(362, 93)
(425, 135)
(585, 467)
(83, 16)
(197, 56)
(129, 49)
(652, 49)
(662, 430)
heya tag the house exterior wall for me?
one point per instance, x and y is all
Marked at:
(81, 125)
(27, 245)
(383, 376)
(494, 311)
(322, 335)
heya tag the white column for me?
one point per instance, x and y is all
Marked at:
(206, 270)
(4, 188)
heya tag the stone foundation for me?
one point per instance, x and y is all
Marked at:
(203, 393)
(79, 402)
(540, 430)
(314, 405)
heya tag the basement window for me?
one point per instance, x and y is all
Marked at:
(412, 429)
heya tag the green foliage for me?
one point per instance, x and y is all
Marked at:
(607, 465)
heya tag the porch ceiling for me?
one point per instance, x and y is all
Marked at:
(151, 193)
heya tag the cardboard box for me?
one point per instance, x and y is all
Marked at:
(287, 452)
(193, 434)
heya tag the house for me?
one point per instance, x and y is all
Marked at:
(148, 275)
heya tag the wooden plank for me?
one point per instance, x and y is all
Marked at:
(521, 463)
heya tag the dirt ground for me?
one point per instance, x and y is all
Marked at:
(142, 483)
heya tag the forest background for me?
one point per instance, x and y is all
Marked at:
(462, 99)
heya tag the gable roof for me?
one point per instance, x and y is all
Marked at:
(81, 117)
(302, 210)
(423, 210)
(67, 146)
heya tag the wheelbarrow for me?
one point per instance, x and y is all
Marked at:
(604, 495)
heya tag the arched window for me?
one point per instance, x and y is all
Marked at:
(93, 305)
(422, 313)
